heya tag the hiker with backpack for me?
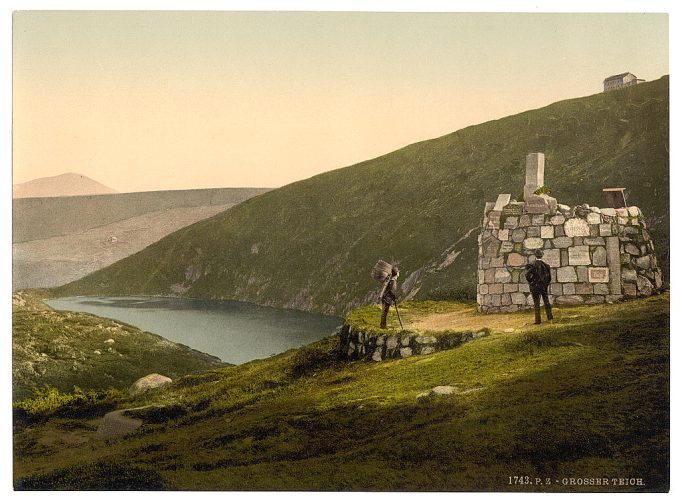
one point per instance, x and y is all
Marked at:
(538, 276)
(388, 274)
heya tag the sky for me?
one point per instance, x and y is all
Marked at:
(175, 100)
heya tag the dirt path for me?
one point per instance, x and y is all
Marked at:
(468, 318)
(116, 423)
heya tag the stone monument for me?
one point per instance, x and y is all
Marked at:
(595, 254)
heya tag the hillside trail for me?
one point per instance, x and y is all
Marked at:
(116, 423)
(467, 318)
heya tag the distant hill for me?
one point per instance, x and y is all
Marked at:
(40, 218)
(68, 184)
(57, 240)
(311, 245)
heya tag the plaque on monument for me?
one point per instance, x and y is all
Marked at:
(579, 255)
(575, 227)
(536, 204)
(513, 209)
(598, 274)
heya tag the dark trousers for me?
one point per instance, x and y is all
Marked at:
(537, 295)
(383, 317)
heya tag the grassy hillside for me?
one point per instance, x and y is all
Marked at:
(310, 245)
(64, 349)
(586, 396)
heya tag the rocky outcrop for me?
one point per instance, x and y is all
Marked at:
(149, 382)
(362, 344)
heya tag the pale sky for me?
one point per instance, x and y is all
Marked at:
(174, 100)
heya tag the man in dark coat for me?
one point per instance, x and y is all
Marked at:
(388, 295)
(538, 276)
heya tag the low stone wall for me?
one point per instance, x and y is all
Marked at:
(595, 255)
(357, 344)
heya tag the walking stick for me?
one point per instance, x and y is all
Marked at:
(398, 315)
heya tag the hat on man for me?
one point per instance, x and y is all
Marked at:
(539, 253)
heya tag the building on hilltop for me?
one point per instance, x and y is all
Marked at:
(595, 255)
(614, 82)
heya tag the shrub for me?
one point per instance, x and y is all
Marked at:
(49, 401)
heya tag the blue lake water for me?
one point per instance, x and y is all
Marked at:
(235, 332)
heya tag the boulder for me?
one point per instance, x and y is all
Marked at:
(149, 382)
(444, 390)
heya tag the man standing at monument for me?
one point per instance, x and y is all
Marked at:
(538, 276)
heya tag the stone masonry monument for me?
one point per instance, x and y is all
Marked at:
(595, 254)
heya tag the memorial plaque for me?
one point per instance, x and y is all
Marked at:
(513, 209)
(598, 274)
(579, 255)
(576, 227)
(536, 204)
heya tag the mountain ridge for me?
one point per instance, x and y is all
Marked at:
(65, 184)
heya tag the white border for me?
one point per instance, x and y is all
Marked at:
(296, 5)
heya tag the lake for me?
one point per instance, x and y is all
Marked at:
(235, 332)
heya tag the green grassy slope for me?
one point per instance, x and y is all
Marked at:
(65, 349)
(587, 396)
(310, 245)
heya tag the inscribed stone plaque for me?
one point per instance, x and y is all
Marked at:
(598, 274)
(501, 201)
(536, 204)
(576, 227)
(579, 255)
(513, 209)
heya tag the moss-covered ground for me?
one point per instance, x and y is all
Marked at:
(61, 350)
(585, 396)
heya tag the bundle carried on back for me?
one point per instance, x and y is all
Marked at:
(381, 271)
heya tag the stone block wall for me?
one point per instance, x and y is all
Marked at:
(362, 344)
(595, 255)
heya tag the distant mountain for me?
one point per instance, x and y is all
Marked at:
(61, 239)
(68, 184)
(311, 244)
